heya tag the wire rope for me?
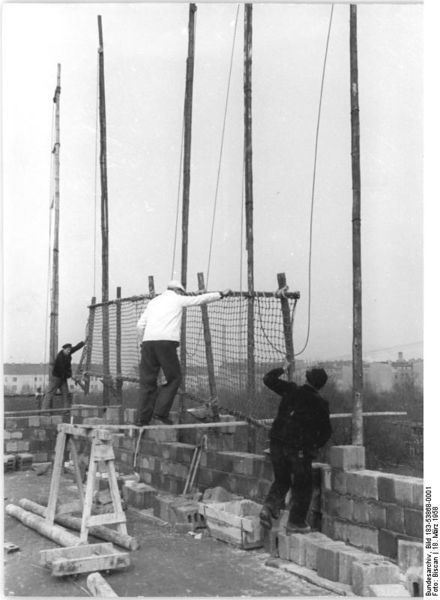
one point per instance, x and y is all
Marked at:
(234, 37)
(315, 160)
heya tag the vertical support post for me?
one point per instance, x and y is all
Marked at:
(357, 421)
(249, 202)
(209, 353)
(187, 174)
(89, 348)
(56, 477)
(119, 381)
(151, 286)
(54, 304)
(104, 220)
(287, 327)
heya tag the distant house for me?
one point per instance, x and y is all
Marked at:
(26, 378)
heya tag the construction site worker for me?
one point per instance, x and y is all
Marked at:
(301, 427)
(159, 333)
(61, 372)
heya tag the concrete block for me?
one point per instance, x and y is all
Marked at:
(366, 573)
(361, 511)
(327, 526)
(362, 484)
(326, 477)
(414, 583)
(55, 419)
(270, 541)
(139, 495)
(388, 543)
(347, 458)
(390, 590)
(418, 494)
(7, 435)
(162, 507)
(409, 554)
(376, 515)
(385, 488)
(17, 435)
(24, 461)
(345, 563)
(312, 542)
(413, 522)
(338, 481)
(34, 421)
(340, 531)
(362, 537)
(297, 549)
(394, 518)
(404, 490)
(11, 447)
(344, 508)
(284, 546)
(327, 560)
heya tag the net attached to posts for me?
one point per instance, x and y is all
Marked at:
(228, 326)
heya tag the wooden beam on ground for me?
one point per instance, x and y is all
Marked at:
(99, 587)
(104, 533)
(53, 532)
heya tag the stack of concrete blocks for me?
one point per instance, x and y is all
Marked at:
(369, 509)
(36, 434)
(235, 521)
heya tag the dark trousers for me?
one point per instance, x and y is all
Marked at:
(154, 399)
(55, 384)
(291, 471)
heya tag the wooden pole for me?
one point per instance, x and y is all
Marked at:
(104, 219)
(249, 201)
(54, 305)
(89, 348)
(287, 326)
(53, 532)
(208, 352)
(357, 422)
(99, 587)
(99, 531)
(119, 381)
(151, 286)
(187, 173)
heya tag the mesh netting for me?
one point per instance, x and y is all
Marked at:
(228, 326)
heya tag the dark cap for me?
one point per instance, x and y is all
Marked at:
(316, 377)
(67, 346)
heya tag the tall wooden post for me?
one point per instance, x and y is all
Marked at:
(119, 381)
(209, 353)
(357, 422)
(151, 286)
(249, 205)
(287, 327)
(187, 173)
(104, 220)
(89, 347)
(54, 303)
(249, 200)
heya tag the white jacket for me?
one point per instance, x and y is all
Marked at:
(162, 318)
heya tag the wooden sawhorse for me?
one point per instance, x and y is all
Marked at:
(101, 453)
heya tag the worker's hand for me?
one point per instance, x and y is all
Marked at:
(226, 292)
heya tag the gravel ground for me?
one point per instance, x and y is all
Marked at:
(167, 564)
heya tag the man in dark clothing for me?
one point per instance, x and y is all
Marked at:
(300, 428)
(61, 372)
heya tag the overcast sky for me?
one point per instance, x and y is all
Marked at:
(145, 50)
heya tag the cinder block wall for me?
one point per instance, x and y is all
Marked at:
(37, 434)
(369, 509)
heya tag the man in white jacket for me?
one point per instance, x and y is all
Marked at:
(159, 330)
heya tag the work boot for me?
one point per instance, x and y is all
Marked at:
(163, 420)
(298, 528)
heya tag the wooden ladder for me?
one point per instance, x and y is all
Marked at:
(101, 455)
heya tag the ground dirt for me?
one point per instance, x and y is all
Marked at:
(167, 564)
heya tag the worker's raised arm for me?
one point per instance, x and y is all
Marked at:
(203, 298)
(273, 382)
